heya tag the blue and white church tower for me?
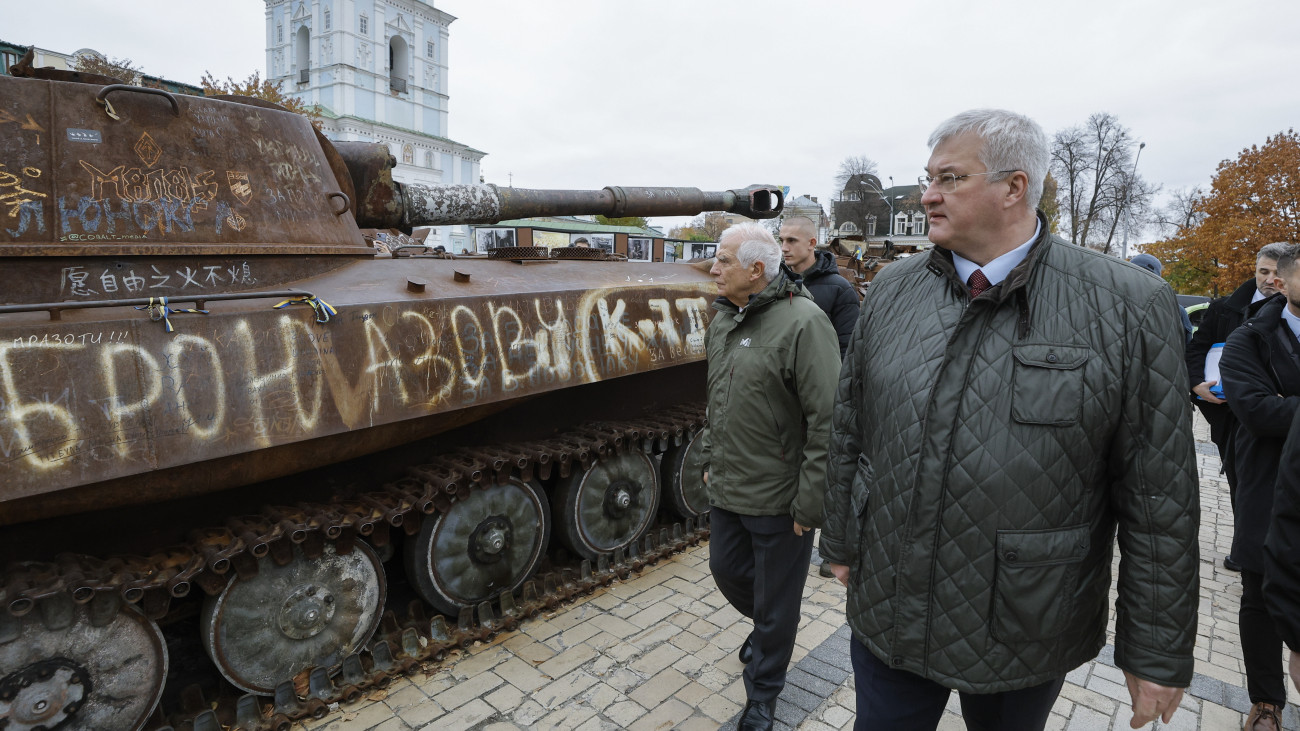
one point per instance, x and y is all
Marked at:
(377, 69)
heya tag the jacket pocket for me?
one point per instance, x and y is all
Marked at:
(1035, 583)
(1047, 383)
(859, 494)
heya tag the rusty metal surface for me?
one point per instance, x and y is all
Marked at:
(426, 205)
(77, 279)
(107, 393)
(169, 175)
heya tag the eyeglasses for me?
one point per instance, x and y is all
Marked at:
(947, 182)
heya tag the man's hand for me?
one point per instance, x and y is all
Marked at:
(706, 477)
(1294, 667)
(1151, 700)
(1203, 390)
(841, 572)
(799, 529)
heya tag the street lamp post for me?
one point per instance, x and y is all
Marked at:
(1128, 191)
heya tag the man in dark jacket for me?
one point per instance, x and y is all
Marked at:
(1261, 383)
(1282, 550)
(1222, 317)
(1008, 405)
(772, 367)
(829, 289)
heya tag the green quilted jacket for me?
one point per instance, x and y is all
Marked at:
(772, 373)
(984, 454)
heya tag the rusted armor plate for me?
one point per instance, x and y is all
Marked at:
(107, 392)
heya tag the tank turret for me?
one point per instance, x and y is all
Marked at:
(222, 411)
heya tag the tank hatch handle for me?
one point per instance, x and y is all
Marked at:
(102, 98)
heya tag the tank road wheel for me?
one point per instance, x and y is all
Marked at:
(262, 630)
(608, 506)
(60, 670)
(683, 478)
(486, 544)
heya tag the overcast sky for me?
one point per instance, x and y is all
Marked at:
(720, 94)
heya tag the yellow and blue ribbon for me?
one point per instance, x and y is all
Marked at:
(324, 310)
(161, 311)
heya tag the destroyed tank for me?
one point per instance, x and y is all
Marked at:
(232, 429)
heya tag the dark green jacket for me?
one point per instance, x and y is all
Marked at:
(772, 369)
(984, 454)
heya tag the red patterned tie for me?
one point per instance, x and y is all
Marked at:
(977, 283)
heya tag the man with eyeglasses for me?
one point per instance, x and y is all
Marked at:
(1008, 404)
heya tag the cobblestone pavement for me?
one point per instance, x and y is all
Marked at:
(659, 651)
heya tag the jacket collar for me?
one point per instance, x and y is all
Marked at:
(1240, 299)
(1014, 287)
(785, 285)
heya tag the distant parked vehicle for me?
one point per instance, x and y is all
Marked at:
(1195, 305)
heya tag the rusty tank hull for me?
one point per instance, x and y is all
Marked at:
(225, 416)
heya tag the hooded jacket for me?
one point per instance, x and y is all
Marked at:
(772, 370)
(1261, 383)
(833, 293)
(985, 452)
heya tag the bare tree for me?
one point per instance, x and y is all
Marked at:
(854, 165)
(1180, 212)
(1094, 164)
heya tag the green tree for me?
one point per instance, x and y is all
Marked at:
(636, 221)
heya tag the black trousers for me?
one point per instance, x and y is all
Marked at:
(761, 567)
(890, 700)
(1261, 646)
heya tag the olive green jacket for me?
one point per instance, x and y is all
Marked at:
(772, 370)
(985, 452)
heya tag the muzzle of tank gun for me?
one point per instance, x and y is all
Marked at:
(383, 203)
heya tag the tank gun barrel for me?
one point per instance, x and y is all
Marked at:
(384, 203)
(428, 205)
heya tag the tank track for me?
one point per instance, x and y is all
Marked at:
(399, 645)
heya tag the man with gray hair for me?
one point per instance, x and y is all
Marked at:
(773, 359)
(1008, 405)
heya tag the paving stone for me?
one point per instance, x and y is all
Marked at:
(838, 716)
(506, 698)
(462, 693)
(567, 660)
(658, 688)
(788, 712)
(1111, 690)
(563, 688)
(471, 714)
(625, 712)
(1206, 688)
(800, 698)
(665, 716)
(421, 713)
(566, 718)
(528, 714)
(718, 708)
(1086, 719)
(657, 659)
(522, 675)
(820, 669)
(801, 678)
